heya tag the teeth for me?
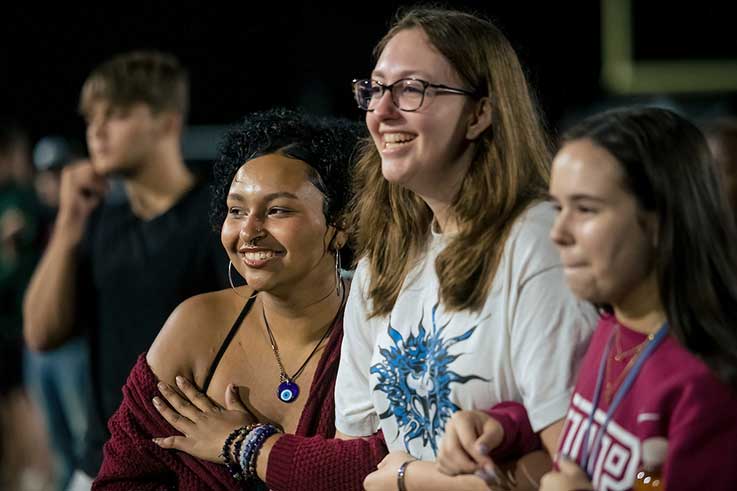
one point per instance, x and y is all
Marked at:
(394, 145)
(397, 137)
(258, 255)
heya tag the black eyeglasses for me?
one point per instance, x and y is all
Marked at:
(408, 94)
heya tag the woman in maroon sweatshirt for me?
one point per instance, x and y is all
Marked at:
(281, 188)
(644, 231)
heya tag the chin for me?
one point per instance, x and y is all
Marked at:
(396, 173)
(106, 167)
(585, 290)
(593, 296)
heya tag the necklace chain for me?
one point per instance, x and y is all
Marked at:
(283, 375)
(619, 356)
(635, 350)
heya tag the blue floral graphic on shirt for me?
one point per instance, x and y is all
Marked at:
(415, 376)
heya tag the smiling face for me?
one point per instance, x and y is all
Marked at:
(428, 147)
(275, 231)
(604, 237)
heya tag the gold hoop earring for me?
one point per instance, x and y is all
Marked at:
(232, 286)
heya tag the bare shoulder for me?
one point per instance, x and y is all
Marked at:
(192, 334)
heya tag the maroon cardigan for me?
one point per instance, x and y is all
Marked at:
(308, 460)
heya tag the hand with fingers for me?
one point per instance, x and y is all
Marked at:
(81, 191)
(203, 423)
(469, 438)
(569, 477)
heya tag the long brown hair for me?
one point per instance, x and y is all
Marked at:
(509, 171)
(669, 169)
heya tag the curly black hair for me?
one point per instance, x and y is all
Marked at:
(326, 144)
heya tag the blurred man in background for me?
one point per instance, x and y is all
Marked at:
(116, 269)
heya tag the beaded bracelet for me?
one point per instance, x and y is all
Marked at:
(232, 447)
(250, 450)
(241, 456)
(225, 453)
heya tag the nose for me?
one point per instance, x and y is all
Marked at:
(560, 233)
(386, 108)
(252, 228)
(96, 127)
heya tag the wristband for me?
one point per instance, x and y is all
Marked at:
(400, 475)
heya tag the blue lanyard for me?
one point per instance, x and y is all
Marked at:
(589, 450)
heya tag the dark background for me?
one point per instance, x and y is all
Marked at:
(253, 55)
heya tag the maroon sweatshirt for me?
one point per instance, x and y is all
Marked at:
(308, 460)
(674, 396)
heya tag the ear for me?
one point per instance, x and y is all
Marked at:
(339, 239)
(480, 120)
(171, 122)
(652, 228)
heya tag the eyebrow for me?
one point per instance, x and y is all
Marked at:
(585, 197)
(404, 74)
(576, 197)
(268, 197)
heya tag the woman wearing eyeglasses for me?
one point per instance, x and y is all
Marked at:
(459, 299)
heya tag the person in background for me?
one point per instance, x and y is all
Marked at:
(59, 379)
(721, 135)
(23, 447)
(19, 229)
(115, 269)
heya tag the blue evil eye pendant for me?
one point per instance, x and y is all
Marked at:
(288, 391)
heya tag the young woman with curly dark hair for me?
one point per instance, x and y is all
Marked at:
(255, 366)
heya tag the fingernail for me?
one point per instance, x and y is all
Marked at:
(156, 440)
(234, 389)
(488, 477)
(157, 401)
(491, 471)
(180, 380)
(161, 386)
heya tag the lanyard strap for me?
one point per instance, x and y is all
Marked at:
(589, 450)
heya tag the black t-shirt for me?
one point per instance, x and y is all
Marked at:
(132, 274)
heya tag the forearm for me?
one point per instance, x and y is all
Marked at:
(422, 475)
(291, 462)
(48, 305)
(130, 460)
(550, 436)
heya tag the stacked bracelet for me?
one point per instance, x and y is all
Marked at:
(232, 447)
(252, 446)
(243, 455)
(234, 471)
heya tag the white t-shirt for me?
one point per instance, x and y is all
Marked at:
(408, 372)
